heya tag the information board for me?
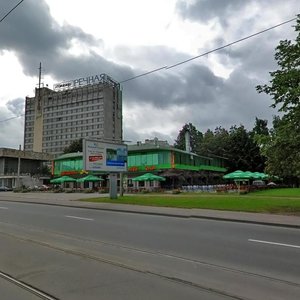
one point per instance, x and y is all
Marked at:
(103, 156)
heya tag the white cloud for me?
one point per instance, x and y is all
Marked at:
(13, 81)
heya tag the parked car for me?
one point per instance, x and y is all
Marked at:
(44, 187)
(5, 189)
(258, 183)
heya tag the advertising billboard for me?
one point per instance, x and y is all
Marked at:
(103, 156)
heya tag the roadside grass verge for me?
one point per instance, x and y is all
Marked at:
(283, 192)
(285, 201)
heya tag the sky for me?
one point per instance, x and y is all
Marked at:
(74, 39)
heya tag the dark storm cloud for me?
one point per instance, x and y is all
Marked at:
(34, 36)
(235, 102)
(66, 67)
(205, 10)
(31, 33)
(223, 11)
(198, 84)
(256, 53)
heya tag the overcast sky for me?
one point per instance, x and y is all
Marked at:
(123, 39)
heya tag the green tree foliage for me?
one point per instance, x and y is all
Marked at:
(237, 146)
(195, 138)
(75, 146)
(215, 143)
(282, 147)
(243, 152)
(260, 127)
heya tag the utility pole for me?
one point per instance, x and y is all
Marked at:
(19, 167)
(39, 88)
(121, 185)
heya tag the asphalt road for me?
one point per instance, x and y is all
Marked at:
(10, 290)
(74, 253)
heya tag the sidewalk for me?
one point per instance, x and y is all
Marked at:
(69, 199)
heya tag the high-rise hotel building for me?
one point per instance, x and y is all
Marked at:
(88, 107)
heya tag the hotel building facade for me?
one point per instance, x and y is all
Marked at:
(83, 108)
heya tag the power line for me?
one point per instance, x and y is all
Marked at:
(11, 10)
(230, 44)
(12, 118)
(144, 74)
(184, 61)
(208, 52)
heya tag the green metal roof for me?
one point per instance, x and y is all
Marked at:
(69, 155)
(153, 147)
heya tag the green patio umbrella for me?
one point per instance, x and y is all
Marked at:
(149, 177)
(91, 178)
(259, 175)
(238, 175)
(62, 179)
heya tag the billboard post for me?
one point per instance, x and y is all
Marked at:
(99, 156)
(113, 185)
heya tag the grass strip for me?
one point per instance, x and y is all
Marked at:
(264, 201)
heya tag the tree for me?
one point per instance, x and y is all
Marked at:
(242, 151)
(195, 138)
(281, 148)
(75, 146)
(237, 146)
(284, 85)
(282, 151)
(214, 143)
(260, 127)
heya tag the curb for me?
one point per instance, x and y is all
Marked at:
(163, 214)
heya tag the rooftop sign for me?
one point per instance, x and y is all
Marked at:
(95, 79)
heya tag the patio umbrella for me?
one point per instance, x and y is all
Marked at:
(62, 179)
(259, 175)
(149, 177)
(91, 178)
(238, 175)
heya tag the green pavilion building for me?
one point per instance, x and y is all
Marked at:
(180, 168)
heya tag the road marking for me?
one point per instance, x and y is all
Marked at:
(274, 243)
(2, 207)
(79, 218)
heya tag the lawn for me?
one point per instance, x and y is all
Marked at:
(284, 192)
(272, 201)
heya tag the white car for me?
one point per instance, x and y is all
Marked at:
(5, 189)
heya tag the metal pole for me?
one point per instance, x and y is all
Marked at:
(113, 185)
(121, 184)
(19, 167)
